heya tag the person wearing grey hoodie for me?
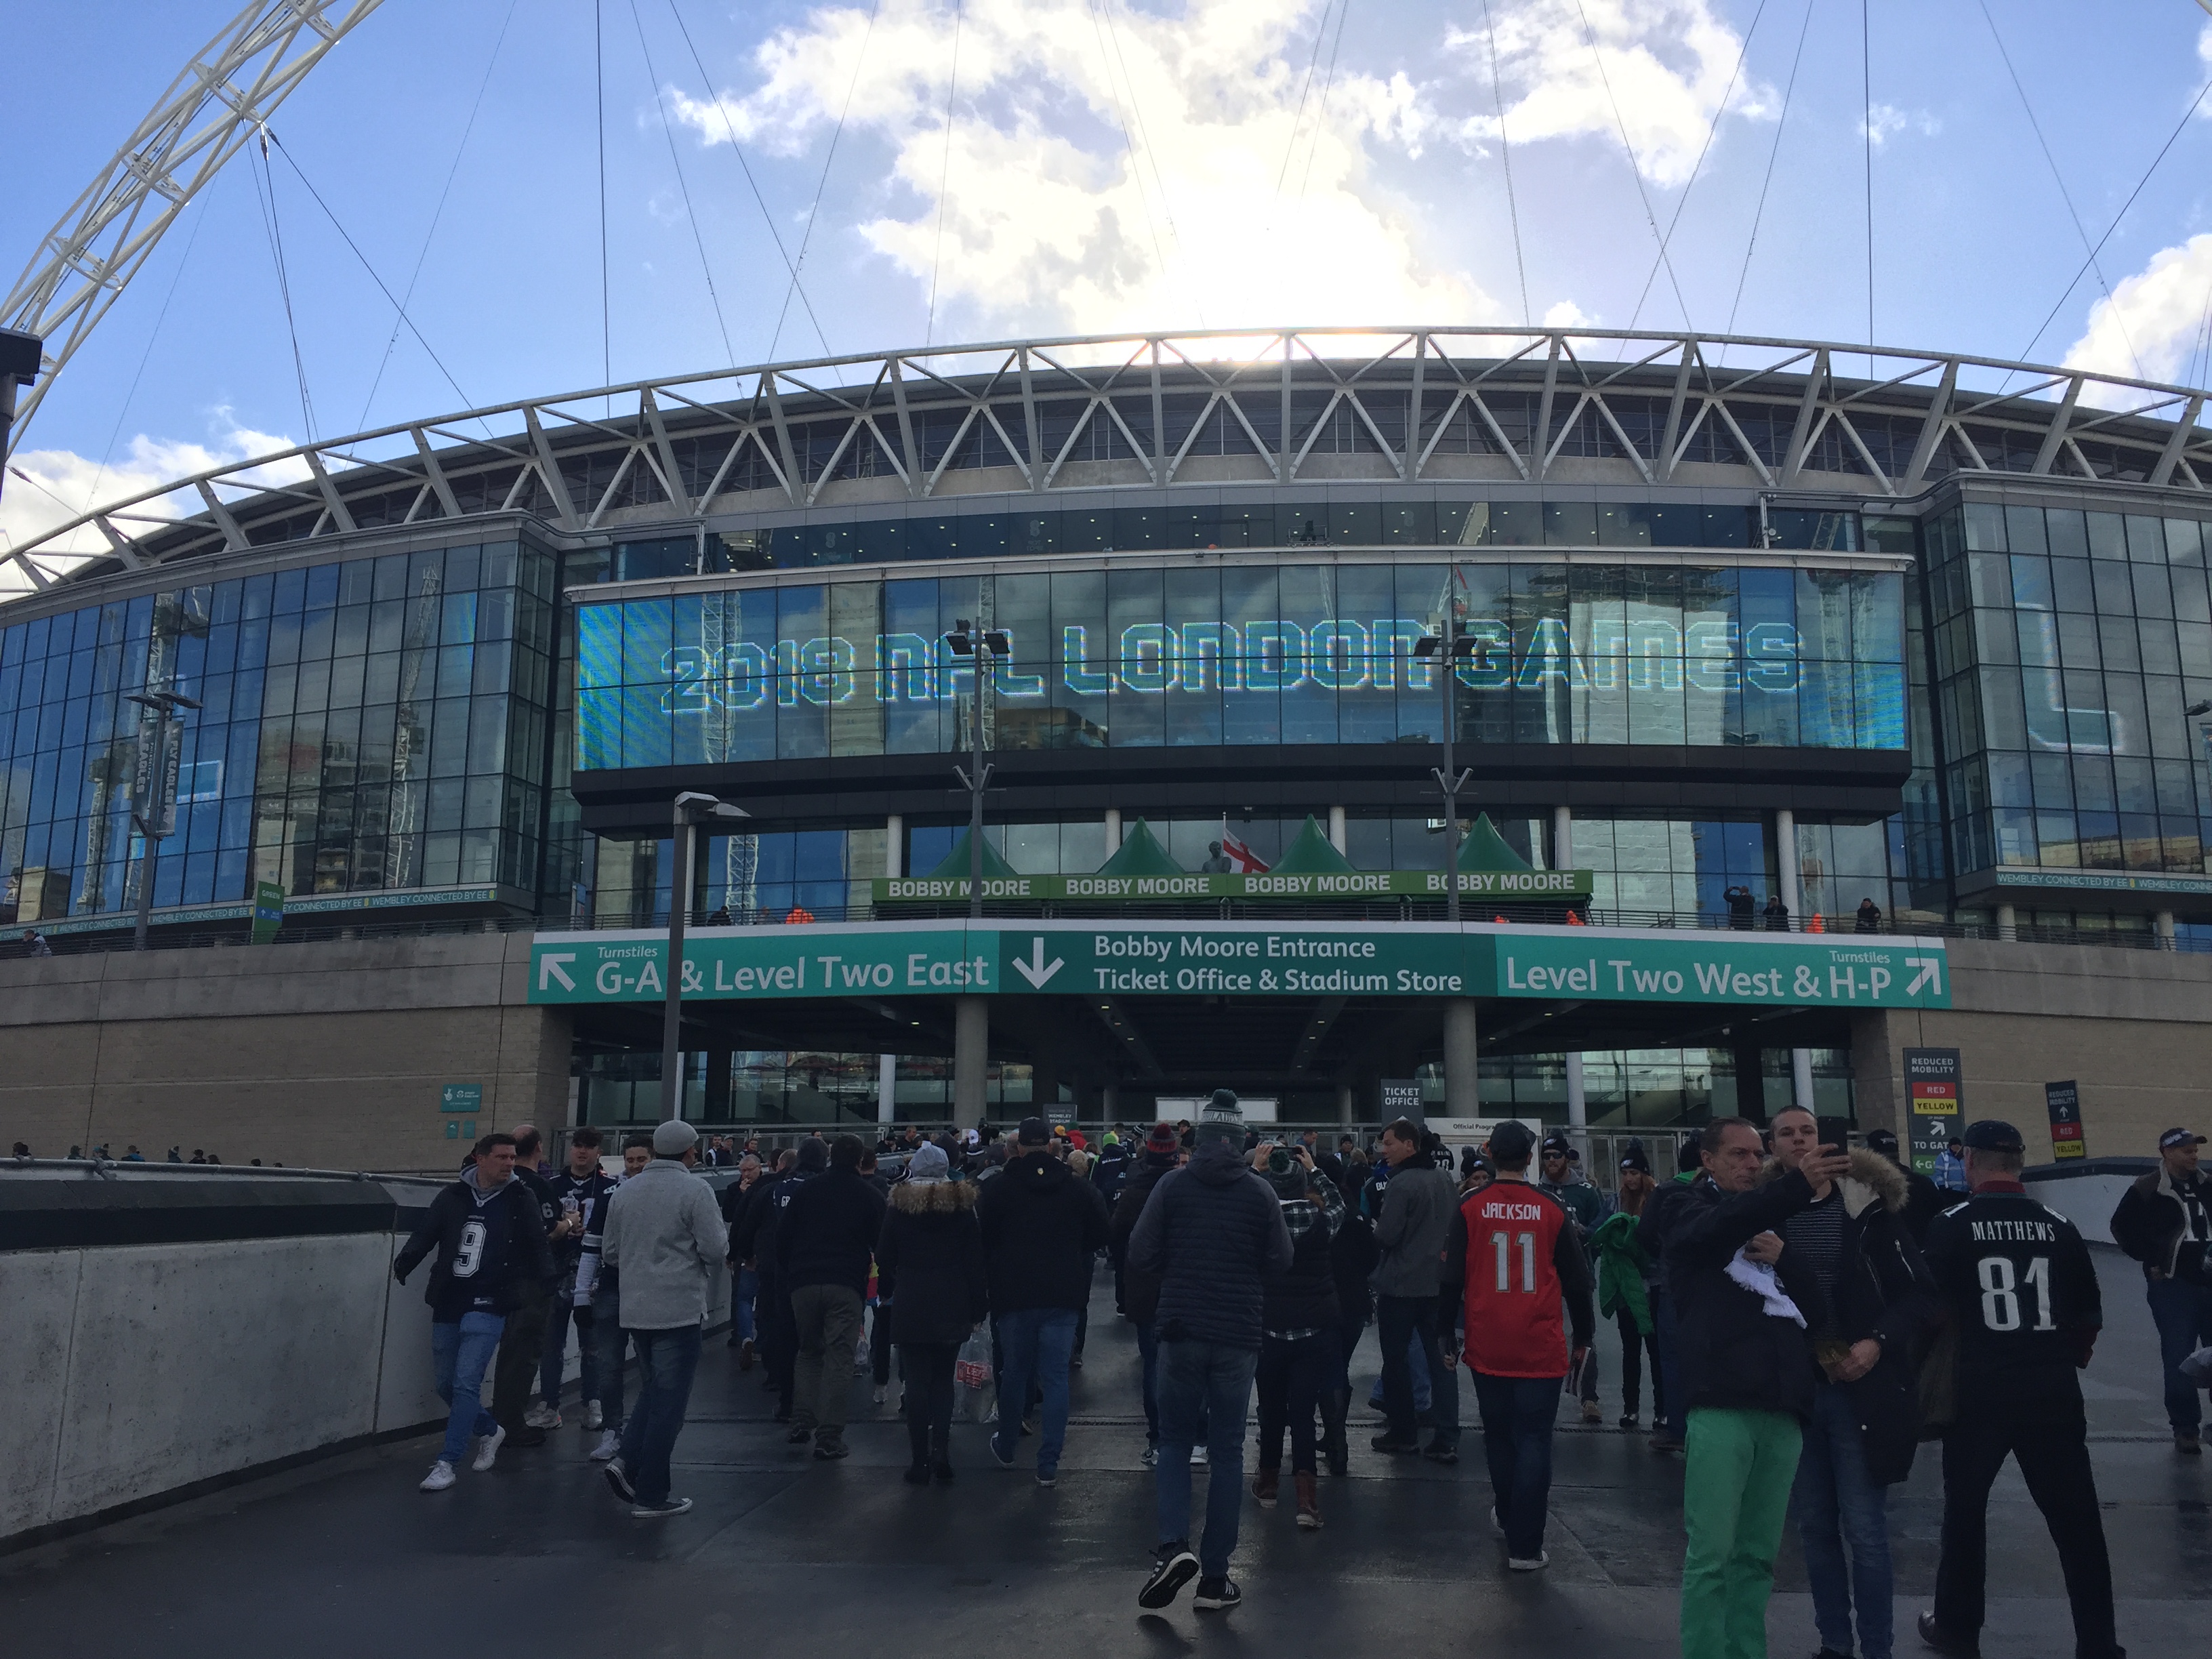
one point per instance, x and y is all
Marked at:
(1419, 1204)
(664, 1234)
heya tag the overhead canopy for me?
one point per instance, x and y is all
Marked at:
(1311, 855)
(1485, 850)
(1141, 855)
(956, 865)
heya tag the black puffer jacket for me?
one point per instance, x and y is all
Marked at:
(1303, 1296)
(1353, 1251)
(1735, 1355)
(929, 1263)
(1886, 1293)
(1140, 1291)
(1041, 1228)
(1213, 1231)
(828, 1230)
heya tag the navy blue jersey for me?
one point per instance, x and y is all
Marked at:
(2023, 1297)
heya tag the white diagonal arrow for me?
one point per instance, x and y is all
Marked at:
(1035, 969)
(550, 968)
(1930, 967)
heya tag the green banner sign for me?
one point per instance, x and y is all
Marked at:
(268, 911)
(1320, 959)
(1517, 886)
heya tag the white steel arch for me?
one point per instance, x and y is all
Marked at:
(213, 107)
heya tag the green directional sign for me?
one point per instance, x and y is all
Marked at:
(1513, 886)
(1239, 958)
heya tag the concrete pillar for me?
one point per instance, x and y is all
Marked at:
(971, 1054)
(1346, 1104)
(2162, 924)
(1801, 1078)
(1563, 840)
(886, 1088)
(718, 1086)
(1110, 1103)
(1336, 828)
(1462, 1086)
(1750, 1084)
(2008, 923)
(1578, 1102)
(1113, 830)
(895, 845)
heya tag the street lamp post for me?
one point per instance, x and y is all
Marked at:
(1450, 648)
(691, 807)
(153, 798)
(985, 647)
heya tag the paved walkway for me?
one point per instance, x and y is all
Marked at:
(784, 1557)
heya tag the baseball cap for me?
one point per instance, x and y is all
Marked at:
(1993, 1135)
(1883, 1142)
(673, 1139)
(1032, 1131)
(2179, 1137)
(1510, 1143)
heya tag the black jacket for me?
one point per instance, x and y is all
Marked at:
(1213, 1231)
(929, 1263)
(764, 1217)
(1109, 1172)
(1303, 1296)
(1651, 1224)
(548, 1211)
(489, 1246)
(1140, 1291)
(1886, 1293)
(1353, 1253)
(828, 1232)
(2152, 1219)
(586, 1190)
(1040, 1228)
(1736, 1355)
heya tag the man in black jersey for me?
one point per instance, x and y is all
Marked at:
(2023, 1297)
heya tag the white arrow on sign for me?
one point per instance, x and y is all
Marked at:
(550, 968)
(1035, 969)
(1930, 968)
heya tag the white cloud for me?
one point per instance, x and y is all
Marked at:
(1667, 64)
(48, 488)
(2156, 317)
(1047, 221)
(1567, 314)
(1888, 121)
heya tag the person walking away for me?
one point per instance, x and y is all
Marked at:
(1564, 1184)
(1743, 1305)
(1652, 1238)
(744, 1280)
(779, 1335)
(522, 1349)
(929, 1263)
(1352, 1255)
(576, 1188)
(1140, 1293)
(1626, 1286)
(2170, 1206)
(1514, 1257)
(491, 1243)
(1212, 1231)
(663, 1235)
(1298, 1323)
(1418, 1207)
(1040, 1228)
(824, 1243)
(874, 1352)
(598, 1295)
(1865, 1427)
(2023, 1297)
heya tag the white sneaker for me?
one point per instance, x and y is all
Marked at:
(488, 1450)
(610, 1445)
(1197, 1457)
(1522, 1564)
(542, 1416)
(882, 1391)
(440, 1478)
(592, 1416)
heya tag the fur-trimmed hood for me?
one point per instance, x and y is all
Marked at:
(1872, 1176)
(933, 1197)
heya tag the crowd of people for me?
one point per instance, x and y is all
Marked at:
(1806, 1316)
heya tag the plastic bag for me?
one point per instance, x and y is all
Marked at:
(971, 1376)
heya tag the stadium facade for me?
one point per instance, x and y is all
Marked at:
(1927, 636)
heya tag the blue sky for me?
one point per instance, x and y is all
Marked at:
(1110, 164)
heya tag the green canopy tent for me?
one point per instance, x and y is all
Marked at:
(956, 866)
(1485, 850)
(1141, 855)
(1311, 855)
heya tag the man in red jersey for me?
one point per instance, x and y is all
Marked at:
(1518, 1257)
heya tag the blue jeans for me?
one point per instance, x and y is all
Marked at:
(665, 1361)
(462, 1351)
(741, 1302)
(1669, 1387)
(1148, 1365)
(2183, 1313)
(1407, 1326)
(1034, 1346)
(1517, 1440)
(604, 1344)
(1837, 1502)
(1209, 1383)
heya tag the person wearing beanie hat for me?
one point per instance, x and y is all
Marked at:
(1213, 1231)
(1299, 1317)
(664, 1234)
(1137, 1294)
(929, 1266)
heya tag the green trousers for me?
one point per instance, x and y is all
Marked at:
(1737, 1470)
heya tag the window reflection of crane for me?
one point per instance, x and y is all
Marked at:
(407, 735)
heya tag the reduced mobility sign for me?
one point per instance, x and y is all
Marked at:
(1347, 959)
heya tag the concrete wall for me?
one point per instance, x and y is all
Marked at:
(326, 1054)
(2133, 1027)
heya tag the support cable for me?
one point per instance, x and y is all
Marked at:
(1129, 144)
(600, 87)
(267, 180)
(945, 174)
(684, 189)
(115, 433)
(1636, 172)
(1759, 212)
(1866, 120)
(1505, 154)
(1152, 157)
(822, 185)
(1298, 115)
(1321, 114)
